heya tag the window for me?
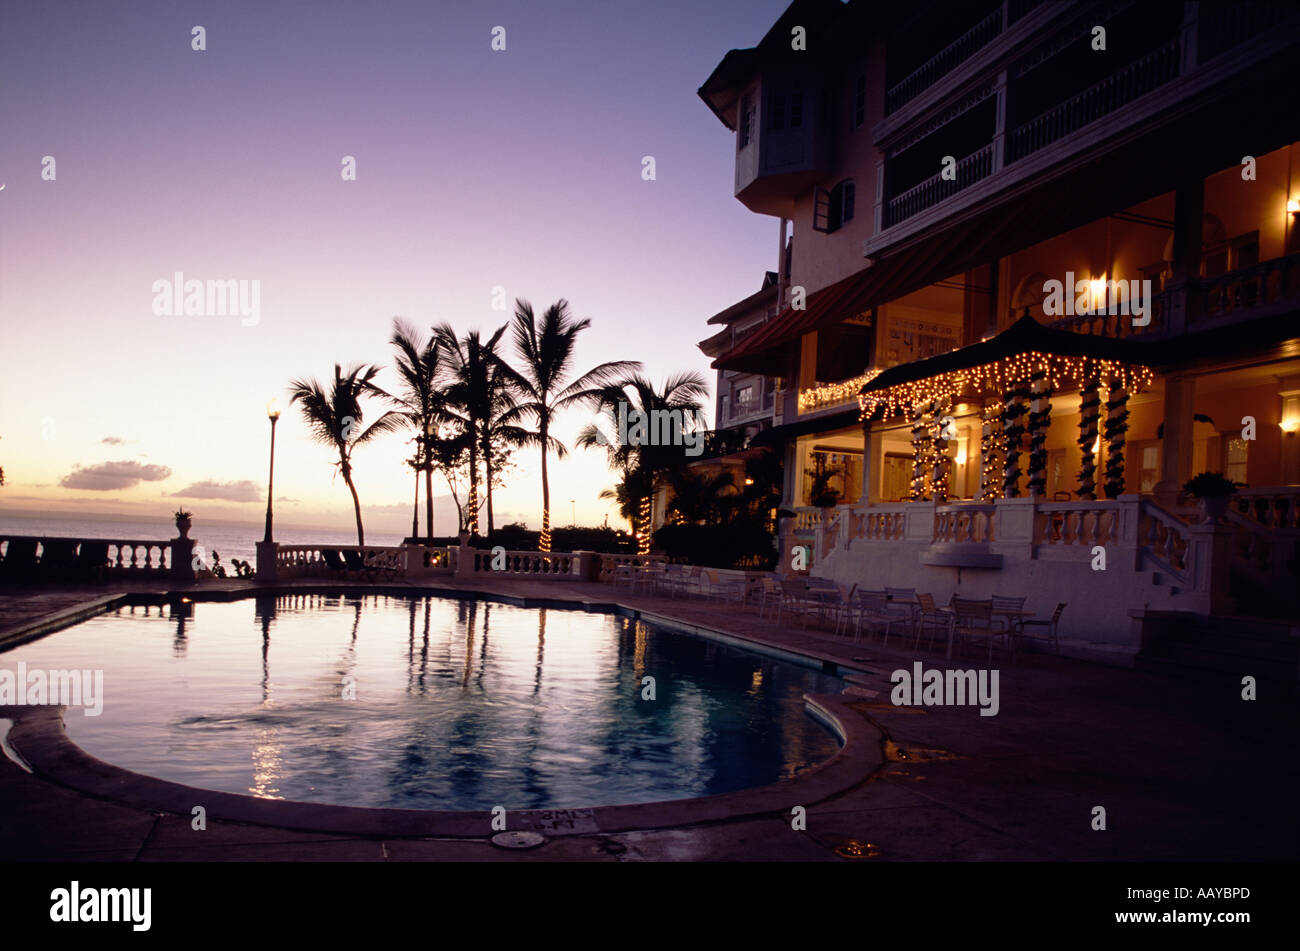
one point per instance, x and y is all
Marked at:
(744, 399)
(746, 121)
(776, 112)
(835, 208)
(1234, 460)
(859, 102)
(1148, 468)
(796, 110)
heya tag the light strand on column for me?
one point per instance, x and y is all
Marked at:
(1116, 427)
(1089, 415)
(1040, 418)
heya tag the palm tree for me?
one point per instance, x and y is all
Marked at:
(545, 363)
(335, 417)
(499, 431)
(472, 377)
(646, 465)
(420, 367)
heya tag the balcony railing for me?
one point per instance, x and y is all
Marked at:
(1225, 25)
(1269, 285)
(1123, 86)
(1244, 289)
(971, 169)
(944, 62)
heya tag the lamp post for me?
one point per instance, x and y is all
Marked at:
(273, 414)
(266, 549)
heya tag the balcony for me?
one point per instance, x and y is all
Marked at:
(1264, 290)
(974, 167)
(943, 62)
(1123, 86)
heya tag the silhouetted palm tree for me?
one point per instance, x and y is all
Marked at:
(645, 465)
(420, 367)
(472, 379)
(545, 362)
(335, 417)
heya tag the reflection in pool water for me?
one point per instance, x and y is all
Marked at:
(434, 703)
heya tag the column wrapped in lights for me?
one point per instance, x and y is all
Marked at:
(1089, 416)
(1040, 418)
(940, 464)
(1015, 408)
(920, 440)
(643, 528)
(1116, 427)
(991, 453)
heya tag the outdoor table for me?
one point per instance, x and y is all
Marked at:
(1013, 615)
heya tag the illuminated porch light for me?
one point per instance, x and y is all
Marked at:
(1293, 206)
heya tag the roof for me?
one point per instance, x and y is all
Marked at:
(740, 308)
(841, 300)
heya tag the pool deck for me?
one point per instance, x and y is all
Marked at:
(1184, 771)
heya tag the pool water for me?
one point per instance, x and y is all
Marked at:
(433, 703)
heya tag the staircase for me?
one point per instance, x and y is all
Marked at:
(1223, 649)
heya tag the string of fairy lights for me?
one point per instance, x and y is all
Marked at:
(832, 394)
(1060, 371)
(1017, 392)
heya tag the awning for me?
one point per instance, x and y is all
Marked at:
(992, 365)
(778, 435)
(833, 304)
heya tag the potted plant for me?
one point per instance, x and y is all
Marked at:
(1212, 490)
(821, 493)
(184, 520)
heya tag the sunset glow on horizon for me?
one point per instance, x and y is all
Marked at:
(476, 169)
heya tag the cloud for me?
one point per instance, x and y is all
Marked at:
(244, 491)
(113, 440)
(111, 476)
(285, 498)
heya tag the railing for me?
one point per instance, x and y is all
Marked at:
(1265, 283)
(1271, 508)
(878, 522)
(530, 563)
(936, 188)
(806, 519)
(964, 523)
(124, 558)
(1119, 325)
(1075, 523)
(1164, 540)
(309, 561)
(608, 563)
(1225, 25)
(944, 62)
(1097, 101)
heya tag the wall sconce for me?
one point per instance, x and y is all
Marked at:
(1293, 206)
(1290, 422)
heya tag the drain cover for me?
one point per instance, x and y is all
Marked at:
(518, 840)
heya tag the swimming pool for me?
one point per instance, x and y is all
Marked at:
(433, 703)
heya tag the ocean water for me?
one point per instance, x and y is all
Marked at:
(230, 541)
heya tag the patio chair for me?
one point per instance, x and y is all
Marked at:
(1050, 626)
(624, 574)
(19, 562)
(58, 558)
(871, 608)
(1003, 603)
(712, 586)
(794, 599)
(671, 581)
(973, 620)
(769, 594)
(92, 562)
(931, 616)
(900, 594)
(334, 561)
(356, 563)
(827, 599)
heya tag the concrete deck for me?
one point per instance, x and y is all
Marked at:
(1184, 771)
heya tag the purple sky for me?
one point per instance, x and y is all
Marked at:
(475, 169)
